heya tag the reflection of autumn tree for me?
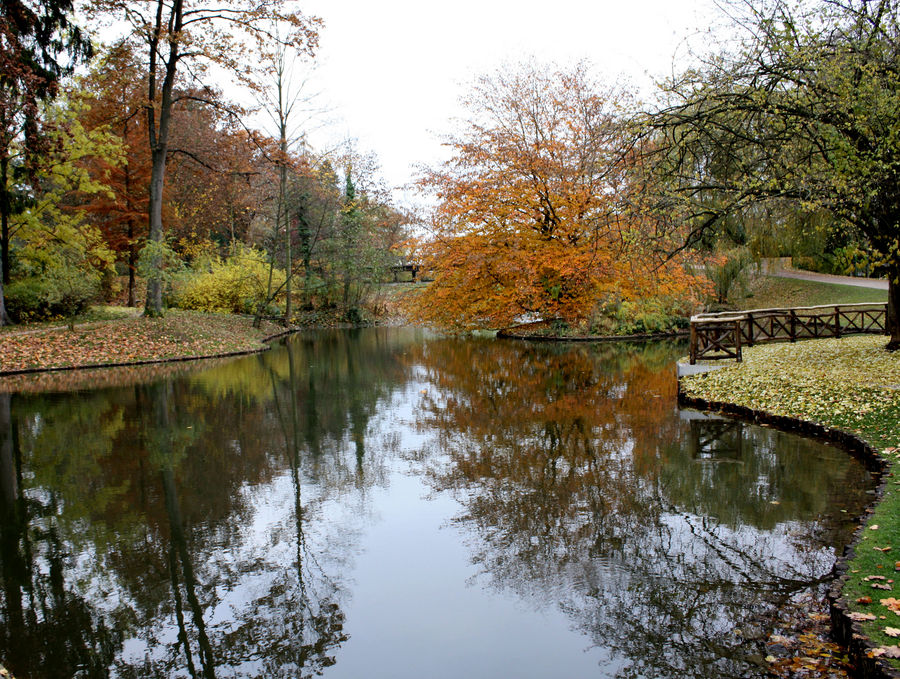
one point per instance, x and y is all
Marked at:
(320, 624)
(339, 379)
(581, 487)
(558, 426)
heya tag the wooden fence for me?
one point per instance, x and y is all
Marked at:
(722, 335)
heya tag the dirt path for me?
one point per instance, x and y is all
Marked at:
(777, 268)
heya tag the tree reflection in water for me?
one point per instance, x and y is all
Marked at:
(580, 488)
(163, 530)
(207, 524)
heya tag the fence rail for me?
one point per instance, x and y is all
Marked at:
(722, 335)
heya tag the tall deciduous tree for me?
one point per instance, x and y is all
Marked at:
(531, 217)
(286, 102)
(806, 111)
(179, 33)
(38, 44)
(114, 94)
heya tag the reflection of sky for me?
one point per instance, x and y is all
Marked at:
(419, 610)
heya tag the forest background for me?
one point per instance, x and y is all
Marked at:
(127, 175)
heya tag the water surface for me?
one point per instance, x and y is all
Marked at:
(382, 503)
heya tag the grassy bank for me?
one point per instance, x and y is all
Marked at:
(765, 292)
(850, 384)
(115, 337)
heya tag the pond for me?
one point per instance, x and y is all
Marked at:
(388, 503)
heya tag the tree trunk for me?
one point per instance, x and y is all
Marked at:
(132, 254)
(132, 264)
(153, 303)
(4, 317)
(288, 258)
(892, 324)
(159, 141)
(5, 211)
(307, 264)
(4, 263)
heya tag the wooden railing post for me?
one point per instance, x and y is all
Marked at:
(693, 343)
(837, 321)
(750, 330)
(737, 340)
(793, 330)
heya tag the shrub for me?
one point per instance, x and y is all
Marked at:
(729, 271)
(641, 316)
(56, 294)
(237, 284)
(57, 271)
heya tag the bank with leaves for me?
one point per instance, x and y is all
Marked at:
(843, 385)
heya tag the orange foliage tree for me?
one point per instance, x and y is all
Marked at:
(113, 96)
(532, 215)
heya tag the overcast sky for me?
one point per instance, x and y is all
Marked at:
(392, 71)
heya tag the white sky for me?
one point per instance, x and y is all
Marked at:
(392, 71)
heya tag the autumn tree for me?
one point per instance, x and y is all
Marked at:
(113, 96)
(805, 112)
(356, 254)
(38, 45)
(531, 217)
(190, 36)
(313, 203)
(211, 163)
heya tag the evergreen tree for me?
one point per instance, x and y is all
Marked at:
(38, 45)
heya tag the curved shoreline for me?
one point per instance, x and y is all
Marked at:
(847, 631)
(266, 341)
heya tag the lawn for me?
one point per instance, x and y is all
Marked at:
(766, 292)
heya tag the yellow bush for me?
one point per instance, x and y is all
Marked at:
(237, 284)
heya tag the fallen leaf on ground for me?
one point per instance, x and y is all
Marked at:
(892, 604)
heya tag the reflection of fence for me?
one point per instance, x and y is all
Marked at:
(715, 440)
(721, 335)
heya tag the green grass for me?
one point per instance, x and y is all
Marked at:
(769, 291)
(851, 384)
